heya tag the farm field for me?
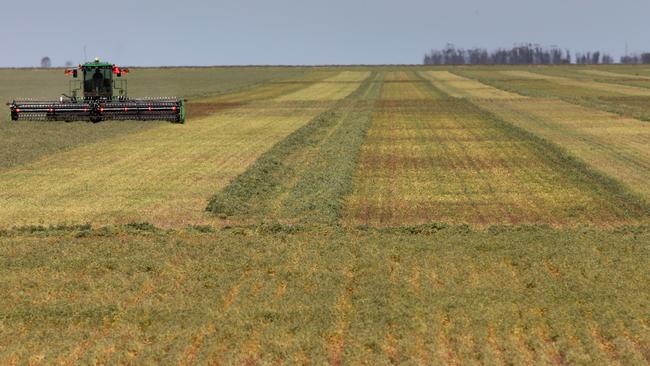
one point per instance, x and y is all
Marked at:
(334, 215)
(439, 297)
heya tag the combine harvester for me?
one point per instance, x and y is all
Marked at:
(99, 102)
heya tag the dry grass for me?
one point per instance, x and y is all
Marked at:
(460, 87)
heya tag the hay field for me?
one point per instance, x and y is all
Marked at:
(334, 215)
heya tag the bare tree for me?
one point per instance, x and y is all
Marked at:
(645, 58)
(68, 63)
(595, 58)
(631, 59)
(607, 59)
(46, 62)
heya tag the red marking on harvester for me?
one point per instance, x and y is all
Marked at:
(17, 110)
(174, 108)
(150, 109)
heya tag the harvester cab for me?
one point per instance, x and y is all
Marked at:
(104, 97)
(98, 80)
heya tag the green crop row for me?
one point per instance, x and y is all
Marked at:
(305, 175)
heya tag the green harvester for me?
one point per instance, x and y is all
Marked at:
(104, 97)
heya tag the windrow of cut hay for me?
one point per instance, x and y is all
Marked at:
(304, 176)
(447, 160)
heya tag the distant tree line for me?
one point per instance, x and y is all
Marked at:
(643, 58)
(519, 54)
(593, 58)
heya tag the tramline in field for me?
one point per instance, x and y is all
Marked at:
(99, 101)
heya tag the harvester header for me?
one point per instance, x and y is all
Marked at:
(100, 95)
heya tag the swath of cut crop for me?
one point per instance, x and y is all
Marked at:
(271, 89)
(604, 99)
(318, 193)
(615, 75)
(460, 87)
(446, 160)
(333, 88)
(635, 79)
(303, 175)
(405, 86)
(614, 89)
(401, 76)
(617, 146)
(531, 86)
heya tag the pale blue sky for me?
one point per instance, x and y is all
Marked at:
(192, 32)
